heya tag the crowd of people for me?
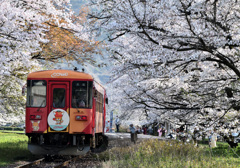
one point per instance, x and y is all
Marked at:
(180, 133)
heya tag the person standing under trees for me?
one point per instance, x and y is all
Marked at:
(144, 130)
(139, 130)
(107, 129)
(163, 132)
(133, 133)
(150, 130)
(117, 123)
(195, 136)
(213, 140)
(160, 131)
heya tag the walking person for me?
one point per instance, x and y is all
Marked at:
(117, 123)
(133, 133)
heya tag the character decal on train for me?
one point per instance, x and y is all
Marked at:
(58, 119)
(35, 125)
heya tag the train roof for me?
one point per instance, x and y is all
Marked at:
(65, 74)
(56, 74)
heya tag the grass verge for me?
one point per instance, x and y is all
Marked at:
(13, 147)
(171, 154)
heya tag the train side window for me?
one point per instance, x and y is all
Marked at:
(36, 93)
(99, 102)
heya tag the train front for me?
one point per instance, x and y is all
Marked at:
(60, 112)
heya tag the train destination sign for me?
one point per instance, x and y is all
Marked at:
(54, 75)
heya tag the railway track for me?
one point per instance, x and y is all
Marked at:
(50, 162)
(83, 161)
(36, 162)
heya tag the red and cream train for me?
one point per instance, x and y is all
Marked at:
(65, 112)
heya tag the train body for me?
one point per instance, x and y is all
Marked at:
(65, 112)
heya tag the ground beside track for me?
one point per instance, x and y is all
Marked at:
(115, 140)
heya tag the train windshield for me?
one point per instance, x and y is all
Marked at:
(58, 97)
(36, 93)
(82, 94)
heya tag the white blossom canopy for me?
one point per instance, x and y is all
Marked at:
(178, 59)
(23, 29)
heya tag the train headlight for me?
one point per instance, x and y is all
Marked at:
(81, 118)
(38, 117)
(78, 117)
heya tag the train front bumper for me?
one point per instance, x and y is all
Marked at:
(50, 150)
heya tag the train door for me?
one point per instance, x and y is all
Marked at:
(59, 103)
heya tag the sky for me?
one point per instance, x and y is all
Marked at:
(100, 74)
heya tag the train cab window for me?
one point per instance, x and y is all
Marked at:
(58, 97)
(36, 93)
(82, 94)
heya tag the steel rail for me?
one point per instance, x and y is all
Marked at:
(28, 165)
(67, 162)
(39, 161)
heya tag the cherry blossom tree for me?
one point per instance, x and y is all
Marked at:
(33, 32)
(178, 59)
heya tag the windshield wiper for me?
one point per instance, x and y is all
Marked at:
(41, 105)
